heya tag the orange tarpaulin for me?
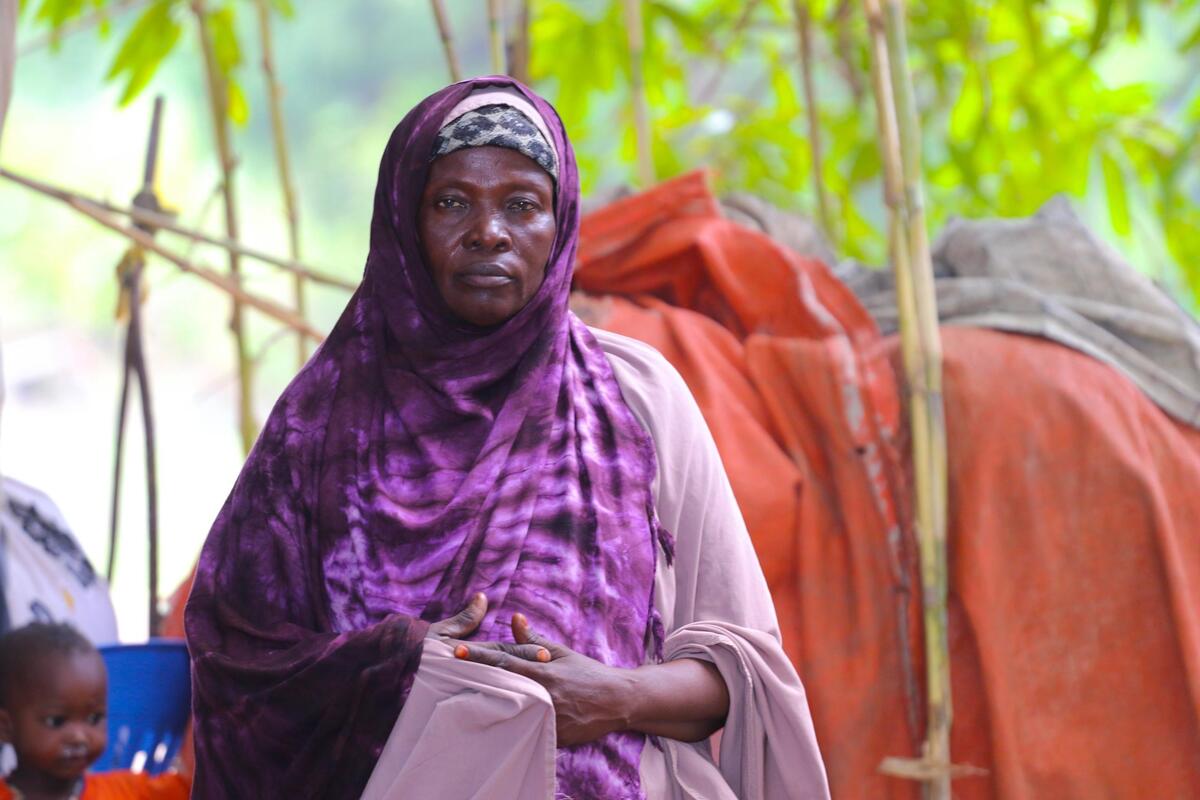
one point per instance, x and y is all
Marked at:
(1074, 515)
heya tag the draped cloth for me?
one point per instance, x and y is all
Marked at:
(716, 607)
(414, 461)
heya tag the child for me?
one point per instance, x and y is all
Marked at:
(53, 711)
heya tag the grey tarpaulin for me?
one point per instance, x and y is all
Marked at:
(1047, 275)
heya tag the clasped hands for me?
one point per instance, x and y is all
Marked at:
(590, 699)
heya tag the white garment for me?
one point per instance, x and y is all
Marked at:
(44, 573)
(715, 607)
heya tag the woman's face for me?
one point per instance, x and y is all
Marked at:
(487, 227)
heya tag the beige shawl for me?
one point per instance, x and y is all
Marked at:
(472, 731)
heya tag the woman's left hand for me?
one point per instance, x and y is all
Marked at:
(589, 697)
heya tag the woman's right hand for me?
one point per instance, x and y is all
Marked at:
(462, 624)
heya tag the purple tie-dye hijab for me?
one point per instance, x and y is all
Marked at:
(414, 461)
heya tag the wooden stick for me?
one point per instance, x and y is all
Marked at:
(709, 91)
(167, 223)
(517, 46)
(286, 184)
(218, 93)
(637, 92)
(495, 12)
(443, 25)
(922, 355)
(223, 282)
(99, 213)
(804, 39)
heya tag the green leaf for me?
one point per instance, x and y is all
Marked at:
(152, 37)
(1103, 18)
(239, 109)
(56, 13)
(1118, 199)
(228, 53)
(1191, 42)
(284, 8)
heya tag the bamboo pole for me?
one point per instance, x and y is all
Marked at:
(286, 184)
(922, 355)
(218, 93)
(495, 12)
(929, 447)
(804, 39)
(637, 90)
(517, 47)
(443, 26)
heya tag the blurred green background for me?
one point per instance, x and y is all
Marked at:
(1020, 100)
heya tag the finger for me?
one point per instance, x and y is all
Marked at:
(465, 622)
(495, 658)
(525, 652)
(524, 634)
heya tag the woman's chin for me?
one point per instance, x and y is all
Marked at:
(484, 311)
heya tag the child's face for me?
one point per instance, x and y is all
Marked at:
(59, 718)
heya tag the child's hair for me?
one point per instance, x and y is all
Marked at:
(22, 648)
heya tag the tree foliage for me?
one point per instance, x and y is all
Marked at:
(1020, 100)
(154, 36)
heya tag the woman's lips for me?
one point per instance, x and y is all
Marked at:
(484, 276)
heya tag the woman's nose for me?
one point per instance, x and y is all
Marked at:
(488, 232)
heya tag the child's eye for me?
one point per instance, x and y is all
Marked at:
(54, 721)
(96, 718)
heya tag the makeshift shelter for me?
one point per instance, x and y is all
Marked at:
(1075, 577)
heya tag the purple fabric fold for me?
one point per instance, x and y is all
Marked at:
(416, 460)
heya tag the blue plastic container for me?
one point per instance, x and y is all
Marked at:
(149, 703)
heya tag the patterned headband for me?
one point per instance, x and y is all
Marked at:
(499, 126)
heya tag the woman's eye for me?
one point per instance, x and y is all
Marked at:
(521, 205)
(448, 202)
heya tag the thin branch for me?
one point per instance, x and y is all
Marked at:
(223, 282)
(168, 223)
(517, 46)
(443, 26)
(804, 39)
(82, 24)
(286, 184)
(495, 13)
(708, 93)
(218, 94)
(846, 52)
(637, 93)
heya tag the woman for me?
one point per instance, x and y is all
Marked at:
(446, 567)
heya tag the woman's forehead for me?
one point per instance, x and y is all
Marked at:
(487, 167)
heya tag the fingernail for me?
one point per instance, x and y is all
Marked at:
(521, 618)
(543, 655)
(462, 652)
